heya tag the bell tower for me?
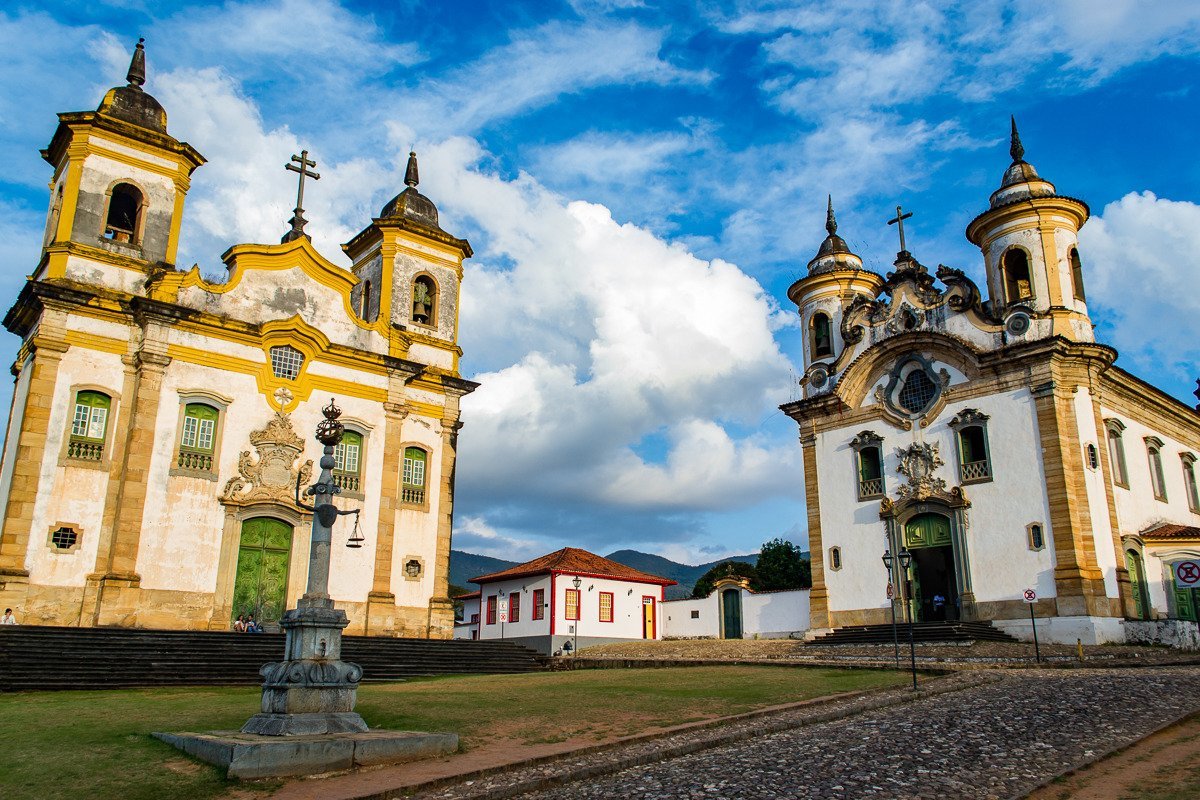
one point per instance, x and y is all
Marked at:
(116, 198)
(1030, 241)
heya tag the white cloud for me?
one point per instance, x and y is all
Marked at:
(474, 535)
(1142, 268)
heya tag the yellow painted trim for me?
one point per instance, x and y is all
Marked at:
(425, 409)
(94, 144)
(94, 341)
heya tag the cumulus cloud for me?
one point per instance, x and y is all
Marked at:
(1142, 268)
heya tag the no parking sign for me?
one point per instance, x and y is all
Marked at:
(1187, 574)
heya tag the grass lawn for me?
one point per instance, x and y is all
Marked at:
(96, 745)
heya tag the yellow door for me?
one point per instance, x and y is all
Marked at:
(648, 631)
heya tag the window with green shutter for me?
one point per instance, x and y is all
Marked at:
(197, 441)
(413, 489)
(89, 426)
(347, 458)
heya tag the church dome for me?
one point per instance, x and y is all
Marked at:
(411, 204)
(834, 253)
(1021, 181)
(131, 103)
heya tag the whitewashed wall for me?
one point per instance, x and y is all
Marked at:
(765, 615)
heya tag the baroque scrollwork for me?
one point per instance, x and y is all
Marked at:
(918, 463)
(310, 672)
(269, 474)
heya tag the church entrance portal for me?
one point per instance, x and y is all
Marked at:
(262, 569)
(933, 591)
(731, 614)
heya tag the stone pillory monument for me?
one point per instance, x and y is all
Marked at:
(149, 476)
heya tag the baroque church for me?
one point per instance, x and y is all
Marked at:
(988, 445)
(161, 422)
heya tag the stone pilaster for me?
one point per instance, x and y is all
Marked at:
(1125, 599)
(381, 601)
(818, 598)
(441, 608)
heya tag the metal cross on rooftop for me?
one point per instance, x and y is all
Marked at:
(899, 221)
(298, 221)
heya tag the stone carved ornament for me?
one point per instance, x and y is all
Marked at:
(918, 463)
(272, 476)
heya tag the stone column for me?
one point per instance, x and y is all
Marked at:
(818, 598)
(381, 601)
(962, 562)
(441, 607)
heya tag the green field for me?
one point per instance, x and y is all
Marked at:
(97, 745)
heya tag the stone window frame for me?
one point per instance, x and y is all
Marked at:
(139, 232)
(434, 317)
(428, 450)
(105, 462)
(695, 613)
(408, 559)
(896, 380)
(365, 301)
(1008, 298)
(360, 427)
(1091, 456)
(1190, 489)
(1158, 477)
(75, 528)
(963, 421)
(835, 558)
(209, 398)
(866, 440)
(1115, 435)
(1029, 540)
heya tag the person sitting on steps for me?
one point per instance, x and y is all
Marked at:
(8, 618)
(239, 625)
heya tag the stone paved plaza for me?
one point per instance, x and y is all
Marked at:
(997, 738)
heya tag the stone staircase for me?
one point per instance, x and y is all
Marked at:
(43, 657)
(923, 632)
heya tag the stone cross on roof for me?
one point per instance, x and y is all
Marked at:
(298, 221)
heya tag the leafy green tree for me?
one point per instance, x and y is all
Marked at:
(726, 569)
(781, 566)
(456, 592)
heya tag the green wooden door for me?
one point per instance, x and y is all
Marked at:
(927, 530)
(731, 610)
(1186, 601)
(262, 571)
(1137, 584)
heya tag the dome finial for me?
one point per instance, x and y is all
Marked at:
(1014, 148)
(137, 66)
(830, 220)
(410, 172)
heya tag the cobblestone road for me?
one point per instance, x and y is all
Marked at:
(995, 740)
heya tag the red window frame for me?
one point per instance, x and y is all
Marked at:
(571, 594)
(491, 610)
(539, 603)
(611, 614)
(514, 607)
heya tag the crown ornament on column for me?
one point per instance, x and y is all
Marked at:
(329, 430)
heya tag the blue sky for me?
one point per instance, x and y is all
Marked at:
(641, 182)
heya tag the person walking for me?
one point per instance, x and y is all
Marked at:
(8, 618)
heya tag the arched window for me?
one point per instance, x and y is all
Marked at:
(822, 335)
(1077, 275)
(366, 301)
(974, 461)
(89, 426)
(1017, 284)
(1116, 453)
(1157, 479)
(1036, 536)
(1093, 456)
(1189, 481)
(347, 462)
(868, 454)
(55, 214)
(917, 392)
(835, 558)
(197, 440)
(124, 214)
(412, 492)
(424, 301)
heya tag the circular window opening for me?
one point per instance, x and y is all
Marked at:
(64, 538)
(413, 568)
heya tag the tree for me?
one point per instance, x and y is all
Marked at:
(726, 569)
(782, 566)
(456, 592)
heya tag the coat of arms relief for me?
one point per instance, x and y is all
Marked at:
(918, 462)
(271, 473)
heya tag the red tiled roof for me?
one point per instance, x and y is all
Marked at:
(1171, 531)
(467, 596)
(574, 561)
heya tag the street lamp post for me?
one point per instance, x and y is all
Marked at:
(905, 559)
(887, 562)
(578, 611)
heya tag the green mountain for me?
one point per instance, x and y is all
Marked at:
(464, 566)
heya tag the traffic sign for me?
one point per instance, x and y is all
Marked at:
(503, 610)
(1030, 596)
(1187, 574)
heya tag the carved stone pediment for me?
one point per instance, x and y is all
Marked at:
(271, 473)
(918, 463)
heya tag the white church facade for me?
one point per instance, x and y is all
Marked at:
(161, 422)
(989, 439)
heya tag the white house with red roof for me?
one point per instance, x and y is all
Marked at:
(569, 599)
(466, 625)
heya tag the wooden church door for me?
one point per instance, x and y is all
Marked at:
(262, 570)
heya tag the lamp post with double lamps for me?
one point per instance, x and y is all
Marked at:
(904, 561)
(578, 610)
(891, 592)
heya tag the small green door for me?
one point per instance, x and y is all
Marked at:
(1137, 584)
(731, 612)
(262, 571)
(1186, 601)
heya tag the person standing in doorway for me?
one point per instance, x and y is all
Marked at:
(939, 606)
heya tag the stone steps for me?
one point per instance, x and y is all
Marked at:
(43, 657)
(924, 632)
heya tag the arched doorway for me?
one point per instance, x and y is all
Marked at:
(1137, 584)
(933, 590)
(260, 587)
(731, 614)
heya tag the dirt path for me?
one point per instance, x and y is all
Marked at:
(1163, 766)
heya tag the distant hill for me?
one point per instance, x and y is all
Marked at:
(464, 566)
